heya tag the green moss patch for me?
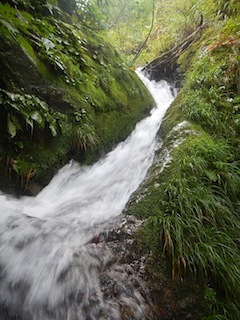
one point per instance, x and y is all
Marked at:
(91, 97)
(191, 204)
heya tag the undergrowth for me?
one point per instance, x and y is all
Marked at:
(63, 89)
(193, 206)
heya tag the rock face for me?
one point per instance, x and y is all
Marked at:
(128, 279)
(64, 92)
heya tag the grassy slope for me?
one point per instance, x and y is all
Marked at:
(192, 205)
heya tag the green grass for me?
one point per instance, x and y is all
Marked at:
(192, 207)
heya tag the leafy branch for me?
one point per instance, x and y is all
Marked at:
(28, 110)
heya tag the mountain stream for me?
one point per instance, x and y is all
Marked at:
(50, 267)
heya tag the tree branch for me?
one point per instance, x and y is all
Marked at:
(174, 52)
(149, 33)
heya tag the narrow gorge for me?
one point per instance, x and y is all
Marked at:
(119, 183)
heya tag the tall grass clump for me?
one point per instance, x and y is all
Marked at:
(197, 218)
(193, 206)
(212, 87)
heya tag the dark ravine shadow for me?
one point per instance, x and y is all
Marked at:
(165, 66)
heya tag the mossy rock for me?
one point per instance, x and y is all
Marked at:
(92, 98)
(190, 197)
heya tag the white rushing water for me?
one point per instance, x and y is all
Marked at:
(46, 272)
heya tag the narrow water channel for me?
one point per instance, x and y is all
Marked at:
(48, 270)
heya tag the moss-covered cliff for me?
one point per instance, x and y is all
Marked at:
(64, 92)
(191, 197)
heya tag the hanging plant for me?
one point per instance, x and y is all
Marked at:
(28, 111)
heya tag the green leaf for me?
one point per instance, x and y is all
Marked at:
(29, 122)
(211, 175)
(42, 104)
(10, 28)
(59, 64)
(16, 168)
(53, 128)
(12, 126)
(19, 144)
(35, 115)
(12, 129)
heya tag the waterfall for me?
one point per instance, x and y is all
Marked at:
(48, 270)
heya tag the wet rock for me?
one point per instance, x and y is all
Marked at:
(130, 283)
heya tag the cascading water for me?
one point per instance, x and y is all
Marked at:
(48, 267)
